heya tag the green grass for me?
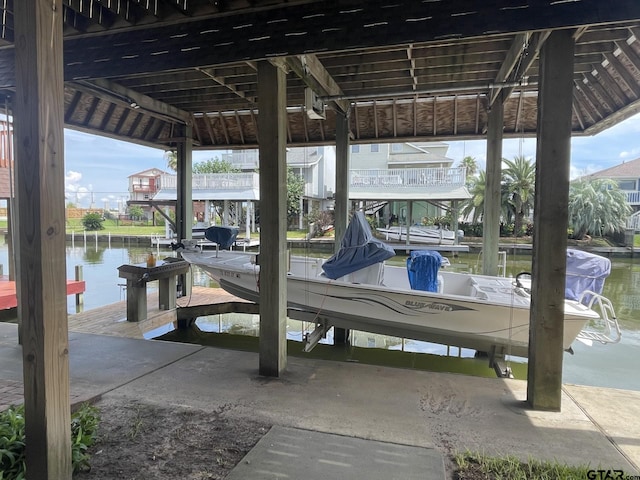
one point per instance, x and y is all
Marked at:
(474, 466)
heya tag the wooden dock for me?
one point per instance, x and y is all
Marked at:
(9, 299)
(112, 319)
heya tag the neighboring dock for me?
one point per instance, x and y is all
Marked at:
(9, 298)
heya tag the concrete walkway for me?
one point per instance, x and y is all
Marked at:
(437, 413)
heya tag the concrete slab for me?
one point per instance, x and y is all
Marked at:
(616, 413)
(448, 412)
(295, 453)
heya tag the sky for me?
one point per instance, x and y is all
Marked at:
(97, 168)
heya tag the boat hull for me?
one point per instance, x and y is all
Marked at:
(431, 236)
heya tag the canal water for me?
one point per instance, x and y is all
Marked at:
(613, 366)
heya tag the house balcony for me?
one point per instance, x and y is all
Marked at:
(408, 184)
(213, 186)
(143, 189)
(633, 198)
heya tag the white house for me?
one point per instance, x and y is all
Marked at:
(415, 180)
(233, 195)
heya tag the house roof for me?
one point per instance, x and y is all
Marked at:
(151, 172)
(403, 70)
(629, 169)
(303, 157)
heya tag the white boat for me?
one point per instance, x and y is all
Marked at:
(486, 313)
(420, 234)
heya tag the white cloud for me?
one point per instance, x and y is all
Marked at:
(632, 154)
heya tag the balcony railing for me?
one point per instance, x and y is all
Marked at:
(214, 181)
(633, 198)
(399, 178)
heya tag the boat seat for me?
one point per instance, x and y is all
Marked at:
(422, 268)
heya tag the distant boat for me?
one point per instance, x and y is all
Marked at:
(421, 234)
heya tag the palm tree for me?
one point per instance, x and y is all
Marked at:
(471, 165)
(597, 207)
(520, 181)
(171, 156)
(475, 205)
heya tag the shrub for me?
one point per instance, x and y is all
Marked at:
(84, 425)
(323, 221)
(92, 221)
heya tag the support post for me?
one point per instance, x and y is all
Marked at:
(341, 207)
(553, 152)
(184, 204)
(40, 250)
(273, 215)
(79, 277)
(491, 219)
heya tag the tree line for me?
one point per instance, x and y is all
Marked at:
(597, 207)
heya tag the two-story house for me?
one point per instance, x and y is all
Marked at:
(627, 176)
(230, 197)
(412, 183)
(143, 186)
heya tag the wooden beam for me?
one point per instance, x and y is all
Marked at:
(536, 41)
(77, 96)
(41, 264)
(511, 59)
(207, 121)
(240, 129)
(315, 76)
(408, 22)
(625, 75)
(211, 73)
(125, 95)
(600, 90)
(611, 84)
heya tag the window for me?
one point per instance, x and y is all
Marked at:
(629, 185)
(375, 147)
(396, 147)
(355, 148)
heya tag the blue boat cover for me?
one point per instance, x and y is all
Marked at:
(358, 249)
(223, 236)
(422, 268)
(585, 271)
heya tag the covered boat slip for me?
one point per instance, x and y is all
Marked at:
(214, 75)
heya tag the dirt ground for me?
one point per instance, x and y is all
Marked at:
(142, 441)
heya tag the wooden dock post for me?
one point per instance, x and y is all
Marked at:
(79, 277)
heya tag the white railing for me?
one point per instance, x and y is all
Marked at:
(633, 198)
(408, 177)
(214, 181)
(633, 222)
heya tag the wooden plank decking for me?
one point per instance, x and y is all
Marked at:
(112, 319)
